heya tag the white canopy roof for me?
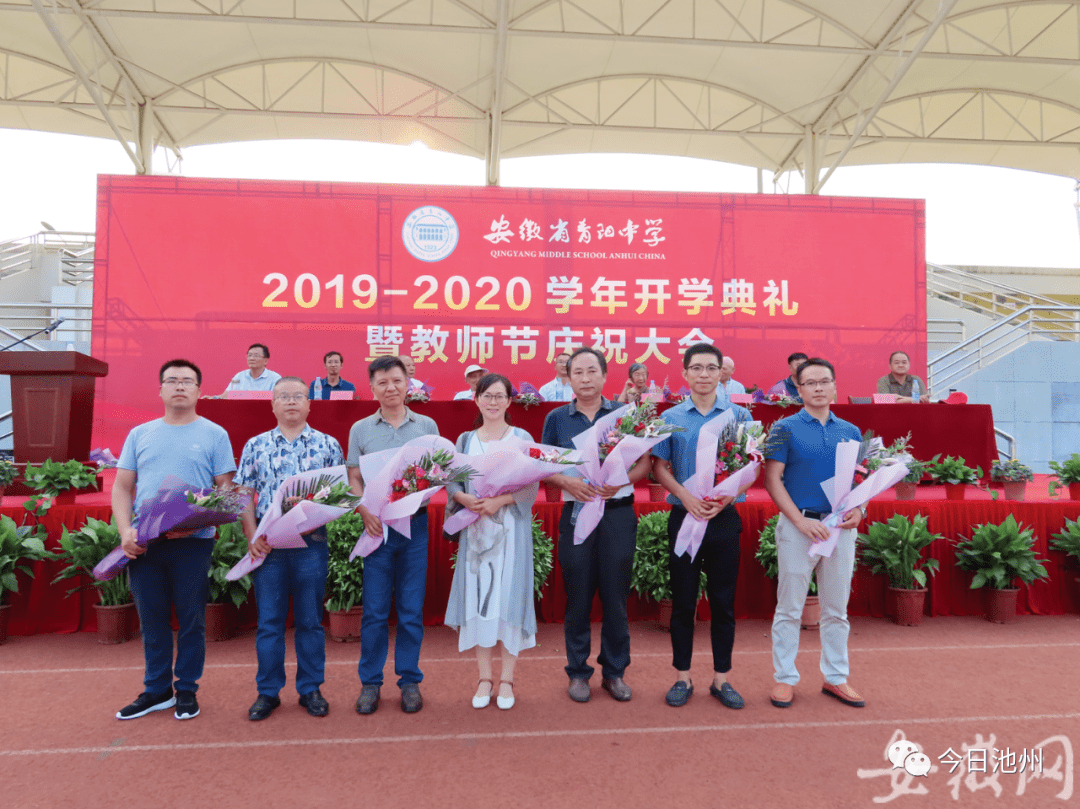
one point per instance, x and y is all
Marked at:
(783, 85)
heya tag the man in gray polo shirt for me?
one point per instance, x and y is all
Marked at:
(397, 571)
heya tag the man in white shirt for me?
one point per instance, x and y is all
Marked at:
(257, 376)
(559, 389)
(728, 385)
(472, 376)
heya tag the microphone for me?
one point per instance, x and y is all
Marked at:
(54, 325)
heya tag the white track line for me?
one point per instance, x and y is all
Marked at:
(523, 734)
(468, 659)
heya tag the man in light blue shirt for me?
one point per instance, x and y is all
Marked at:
(171, 573)
(558, 389)
(728, 385)
(257, 376)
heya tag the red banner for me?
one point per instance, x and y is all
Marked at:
(501, 277)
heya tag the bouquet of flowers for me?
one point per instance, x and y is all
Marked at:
(395, 489)
(301, 504)
(727, 459)
(417, 395)
(103, 458)
(515, 465)
(177, 506)
(528, 396)
(609, 449)
(680, 397)
(777, 399)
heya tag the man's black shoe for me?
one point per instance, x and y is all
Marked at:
(187, 707)
(411, 701)
(147, 703)
(368, 701)
(263, 707)
(315, 703)
(679, 694)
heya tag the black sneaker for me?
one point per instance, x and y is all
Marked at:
(147, 703)
(187, 707)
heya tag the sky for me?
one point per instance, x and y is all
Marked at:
(975, 215)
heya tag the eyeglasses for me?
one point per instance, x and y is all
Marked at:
(816, 383)
(704, 369)
(173, 382)
(494, 398)
(293, 397)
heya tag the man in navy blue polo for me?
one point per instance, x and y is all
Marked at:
(604, 560)
(800, 454)
(674, 461)
(788, 385)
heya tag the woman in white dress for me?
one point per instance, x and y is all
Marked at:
(491, 597)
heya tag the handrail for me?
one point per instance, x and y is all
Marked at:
(15, 336)
(976, 281)
(1010, 454)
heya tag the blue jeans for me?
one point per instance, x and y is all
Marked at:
(172, 573)
(301, 573)
(396, 571)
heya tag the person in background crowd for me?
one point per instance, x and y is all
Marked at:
(559, 389)
(674, 461)
(800, 453)
(728, 385)
(257, 376)
(788, 385)
(267, 461)
(410, 369)
(907, 387)
(636, 385)
(172, 574)
(321, 388)
(603, 561)
(491, 597)
(397, 570)
(472, 376)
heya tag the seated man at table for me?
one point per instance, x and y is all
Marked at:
(320, 388)
(788, 386)
(410, 369)
(728, 385)
(257, 376)
(907, 387)
(472, 376)
(559, 388)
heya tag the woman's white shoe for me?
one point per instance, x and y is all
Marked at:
(482, 701)
(506, 703)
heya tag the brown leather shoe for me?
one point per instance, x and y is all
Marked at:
(579, 690)
(845, 693)
(782, 695)
(618, 689)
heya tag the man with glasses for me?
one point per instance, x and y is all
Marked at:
(257, 376)
(558, 389)
(604, 560)
(300, 573)
(397, 570)
(172, 573)
(674, 461)
(800, 454)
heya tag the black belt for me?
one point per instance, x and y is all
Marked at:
(620, 501)
(813, 515)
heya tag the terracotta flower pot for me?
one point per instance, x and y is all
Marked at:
(1014, 489)
(1001, 605)
(345, 625)
(221, 621)
(811, 614)
(552, 492)
(5, 613)
(907, 605)
(117, 624)
(955, 491)
(665, 614)
(657, 493)
(906, 491)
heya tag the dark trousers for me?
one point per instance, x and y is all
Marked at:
(719, 557)
(172, 573)
(601, 563)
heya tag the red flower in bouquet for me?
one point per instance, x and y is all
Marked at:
(432, 470)
(737, 447)
(534, 452)
(639, 421)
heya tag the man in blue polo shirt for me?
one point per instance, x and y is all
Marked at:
(321, 388)
(788, 385)
(800, 454)
(675, 460)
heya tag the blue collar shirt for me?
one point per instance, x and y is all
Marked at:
(563, 423)
(807, 448)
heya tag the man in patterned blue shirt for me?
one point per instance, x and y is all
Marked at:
(267, 461)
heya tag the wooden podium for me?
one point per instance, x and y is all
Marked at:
(52, 402)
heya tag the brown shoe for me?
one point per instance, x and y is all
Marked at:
(782, 695)
(579, 690)
(618, 689)
(845, 693)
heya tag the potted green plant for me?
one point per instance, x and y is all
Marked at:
(81, 551)
(998, 555)
(766, 556)
(18, 546)
(1067, 473)
(226, 597)
(895, 548)
(61, 480)
(907, 488)
(954, 474)
(8, 473)
(1013, 477)
(344, 579)
(1068, 541)
(650, 576)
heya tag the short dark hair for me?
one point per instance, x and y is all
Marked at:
(563, 354)
(180, 364)
(899, 352)
(701, 348)
(290, 379)
(798, 355)
(587, 350)
(329, 354)
(266, 351)
(387, 363)
(816, 361)
(486, 381)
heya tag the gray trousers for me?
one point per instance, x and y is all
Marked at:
(834, 586)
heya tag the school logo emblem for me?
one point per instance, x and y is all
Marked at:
(430, 233)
